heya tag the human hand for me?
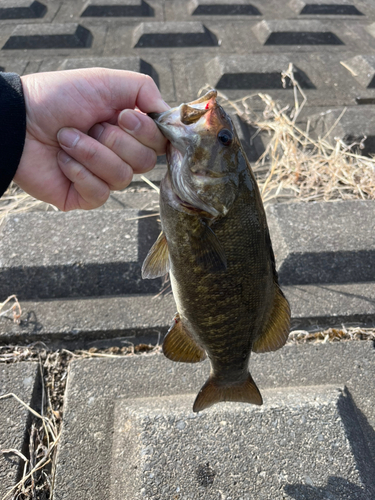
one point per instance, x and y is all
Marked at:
(83, 136)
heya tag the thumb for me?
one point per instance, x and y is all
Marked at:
(129, 90)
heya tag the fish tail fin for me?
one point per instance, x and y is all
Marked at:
(215, 391)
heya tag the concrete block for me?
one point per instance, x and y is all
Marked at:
(241, 73)
(142, 200)
(371, 29)
(324, 305)
(354, 125)
(15, 66)
(48, 36)
(155, 175)
(323, 8)
(188, 456)
(323, 242)
(127, 63)
(76, 254)
(78, 323)
(363, 70)
(22, 9)
(295, 33)
(223, 8)
(20, 379)
(106, 321)
(178, 34)
(158, 67)
(142, 440)
(255, 71)
(117, 8)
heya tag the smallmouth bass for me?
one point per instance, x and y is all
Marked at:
(216, 246)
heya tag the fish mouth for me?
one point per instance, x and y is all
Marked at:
(186, 114)
(155, 116)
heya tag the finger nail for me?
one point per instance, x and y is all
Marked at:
(68, 137)
(63, 157)
(96, 131)
(129, 121)
(166, 105)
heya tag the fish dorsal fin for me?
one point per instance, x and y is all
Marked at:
(207, 249)
(179, 345)
(276, 330)
(156, 262)
(215, 391)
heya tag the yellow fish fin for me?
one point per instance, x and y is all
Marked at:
(156, 262)
(179, 345)
(275, 332)
(214, 391)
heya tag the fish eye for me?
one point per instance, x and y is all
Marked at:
(225, 136)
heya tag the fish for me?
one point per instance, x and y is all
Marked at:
(216, 246)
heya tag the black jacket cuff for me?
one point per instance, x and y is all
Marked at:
(12, 127)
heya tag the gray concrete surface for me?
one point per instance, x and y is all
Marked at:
(324, 242)
(20, 379)
(77, 323)
(234, 451)
(75, 254)
(129, 429)
(352, 127)
(84, 254)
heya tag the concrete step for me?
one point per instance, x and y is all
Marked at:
(76, 254)
(95, 321)
(21, 379)
(129, 429)
(324, 242)
(100, 253)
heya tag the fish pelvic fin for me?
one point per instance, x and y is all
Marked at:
(276, 330)
(179, 344)
(156, 262)
(214, 391)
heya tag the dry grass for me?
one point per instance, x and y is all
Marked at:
(15, 201)
(44, 433)
(15, 310)
(295, 166)
(331, 335)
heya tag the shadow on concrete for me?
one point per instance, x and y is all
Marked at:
(337, 488)
(361, 437)
(348, 294)
(31, 322)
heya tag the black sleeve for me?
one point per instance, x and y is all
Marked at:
(12, 127)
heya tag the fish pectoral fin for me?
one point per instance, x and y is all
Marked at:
(156, 262)
(276, 330)
(207, 250)
(214, 391)
(179, 345)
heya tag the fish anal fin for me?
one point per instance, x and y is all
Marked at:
(214, 391)
(207, 249)
(156, 262)
(179, 345)
(276, 330)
